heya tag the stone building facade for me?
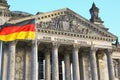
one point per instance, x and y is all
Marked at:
(67, 47)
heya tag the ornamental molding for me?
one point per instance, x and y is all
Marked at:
(69, 21)
(55, 44)
(72, 34)
(65, 23)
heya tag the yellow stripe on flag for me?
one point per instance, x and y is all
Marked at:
(18, 35)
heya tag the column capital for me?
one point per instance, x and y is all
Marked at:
(76, 46)
(55, 44)
(35, 42)
(13, 43)
(93, 48)
(108, 51)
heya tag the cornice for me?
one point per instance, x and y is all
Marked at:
(85, 22)
(71, 34)
(51, 14)
(116, 49)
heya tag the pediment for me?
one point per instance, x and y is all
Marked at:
(69, 21)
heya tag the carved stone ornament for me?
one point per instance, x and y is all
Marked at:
(64, 23)
(108, 51)
(94, 48)
(76, 46)
(55, 44)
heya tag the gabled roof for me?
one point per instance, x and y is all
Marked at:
(68, 21)
(76, 17)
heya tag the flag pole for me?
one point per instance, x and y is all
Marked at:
(34, 70)
(1, 60)
(1, 49)
(36, 42)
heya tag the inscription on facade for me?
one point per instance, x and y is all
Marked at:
(63, 40)
(82, 42)
(46, 38)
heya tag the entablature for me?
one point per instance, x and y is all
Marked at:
(70, 38)
(72, 34)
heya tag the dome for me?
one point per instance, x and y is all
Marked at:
(20, 13)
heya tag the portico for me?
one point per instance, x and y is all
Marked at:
(70, 54)
(45, 59)
(67, 47)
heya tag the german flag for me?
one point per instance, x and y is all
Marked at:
(19, 31)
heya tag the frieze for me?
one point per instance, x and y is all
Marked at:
(64, 23)
(70, 25)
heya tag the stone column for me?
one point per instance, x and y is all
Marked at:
(119, 69)
(47, 65)
(34, 61)
(11, 61)
(4, 62)
(27, 63)
(110, 64)
(98, 66)
(75, 62)
(82, 65)
(93, 63)
(67, 66)
(55, 68)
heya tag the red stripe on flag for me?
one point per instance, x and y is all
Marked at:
(13, 29)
